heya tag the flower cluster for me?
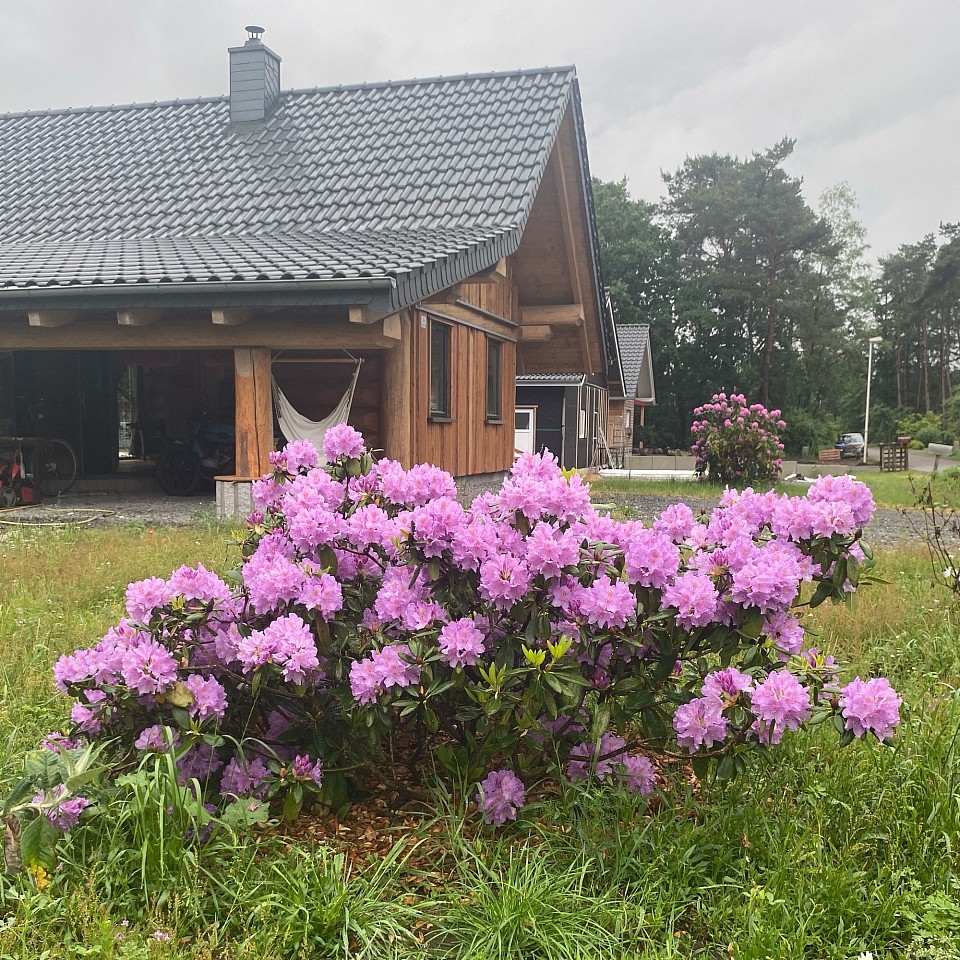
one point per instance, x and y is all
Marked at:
(375, 619)
(736, 441)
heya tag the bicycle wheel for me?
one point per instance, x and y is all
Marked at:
(178, 471)
(57, 470)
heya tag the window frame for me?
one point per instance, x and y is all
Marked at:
(442, 377)
(494, 412)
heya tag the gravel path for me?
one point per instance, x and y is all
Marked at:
(889, 528)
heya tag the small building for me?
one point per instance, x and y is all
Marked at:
(411, 244)
(628, 415)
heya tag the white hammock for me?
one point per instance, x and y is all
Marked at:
(295, 426)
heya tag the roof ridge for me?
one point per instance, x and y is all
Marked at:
(293, 91)
(440, 78)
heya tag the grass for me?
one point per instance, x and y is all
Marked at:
(890, 490)
(821, 852)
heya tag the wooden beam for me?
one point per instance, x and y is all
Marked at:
(254, 410)
(359, 315)
(52, 318)
(392, 327)
(559, 314)
(231, 316)
(493, 274)
(184, 333)
(450, 295)
(138, 318)
(397, 396)
(536, 332)
(472, 316)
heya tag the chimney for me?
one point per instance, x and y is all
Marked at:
(254, 79)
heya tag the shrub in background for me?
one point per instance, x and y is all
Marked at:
(923, 428)
(377, 626)
(815, 431)
(736, 442)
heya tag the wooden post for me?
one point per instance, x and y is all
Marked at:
(396, 410)
(254, 410)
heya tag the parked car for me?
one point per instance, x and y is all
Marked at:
(850, 445)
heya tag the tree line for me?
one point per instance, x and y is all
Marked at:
(748, 287)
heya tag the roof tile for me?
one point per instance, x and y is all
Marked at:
(370, 177)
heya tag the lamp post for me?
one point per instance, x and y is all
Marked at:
(866, 415)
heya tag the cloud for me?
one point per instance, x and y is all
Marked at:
(868, 89)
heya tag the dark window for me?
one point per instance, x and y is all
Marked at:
(439, 370)
(494, 388)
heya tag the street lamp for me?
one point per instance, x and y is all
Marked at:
(866, 416)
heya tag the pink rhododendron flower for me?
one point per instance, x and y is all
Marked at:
(500, 796)
(780, 703)
(342, 441)
(695, 597)
(461, 643)
(700, 723)
(870, 706)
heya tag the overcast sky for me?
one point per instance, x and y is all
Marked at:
(870, 89)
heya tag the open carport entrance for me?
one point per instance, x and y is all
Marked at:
(119, 408)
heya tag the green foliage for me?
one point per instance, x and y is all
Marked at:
(812, 430)
(829, 853)
(922, 429)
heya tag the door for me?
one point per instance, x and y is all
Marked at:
(525, 420)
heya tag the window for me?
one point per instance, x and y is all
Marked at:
(439, 370)
(494, 386)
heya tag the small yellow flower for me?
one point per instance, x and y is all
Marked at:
(40, 877)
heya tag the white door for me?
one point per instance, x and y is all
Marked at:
(525, 431)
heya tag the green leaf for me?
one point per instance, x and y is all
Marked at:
(701, 767)
(824, 590)
(180, 695)
(38, 843)
(27, 787)
(727, 767)
(292, 803)
(601, 721)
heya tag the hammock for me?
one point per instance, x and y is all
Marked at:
(295, 426)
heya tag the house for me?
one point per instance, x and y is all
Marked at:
(427, 239)
(627, 416)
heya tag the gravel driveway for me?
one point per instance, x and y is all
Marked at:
(889, 528)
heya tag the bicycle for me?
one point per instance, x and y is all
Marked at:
(54, 459)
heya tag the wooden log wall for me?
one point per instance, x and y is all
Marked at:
(467, 443)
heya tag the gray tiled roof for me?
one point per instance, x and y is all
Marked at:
(634, 340)
(423, 181)
(549, 379)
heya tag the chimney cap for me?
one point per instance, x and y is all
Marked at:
(254, 33)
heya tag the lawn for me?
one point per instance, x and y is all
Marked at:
(819, 852)
(890, 490)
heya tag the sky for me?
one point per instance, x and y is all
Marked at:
(869, 89)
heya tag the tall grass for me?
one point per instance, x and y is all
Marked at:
(819, 852)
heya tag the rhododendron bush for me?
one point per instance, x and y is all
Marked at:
(377, 624)
(737, 442)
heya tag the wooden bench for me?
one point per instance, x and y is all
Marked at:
(828, 456)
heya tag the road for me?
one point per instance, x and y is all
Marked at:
(920, 460)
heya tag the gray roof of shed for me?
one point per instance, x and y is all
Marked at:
(634, 340)
(424, 182)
